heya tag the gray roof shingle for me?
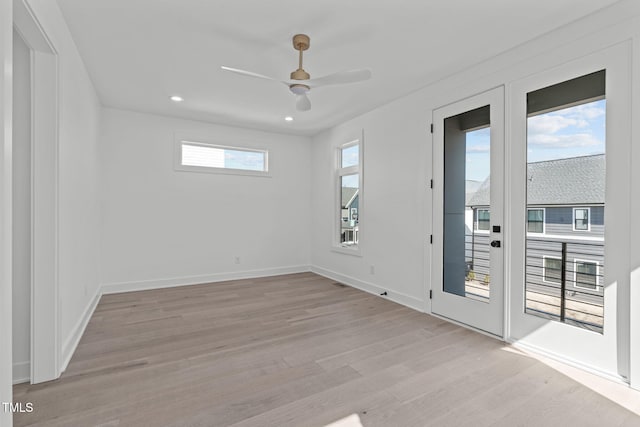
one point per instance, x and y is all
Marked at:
(572, 181)
(347, 194)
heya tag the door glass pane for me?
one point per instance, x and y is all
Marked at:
(566, 202)
(467, 209)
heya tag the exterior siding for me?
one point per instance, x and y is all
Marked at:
(559, 221)
(539, 247)
(477, 258)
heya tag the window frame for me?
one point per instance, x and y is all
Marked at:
(337, 245)
(544, 269)
(476, 221)
(573, 226)
(181, 140)
(575, 274)
(544, 217)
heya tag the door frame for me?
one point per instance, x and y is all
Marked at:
(6, 207)
(45, 341)
(465, 310)
(554, 339)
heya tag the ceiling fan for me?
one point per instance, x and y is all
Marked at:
(301, 82)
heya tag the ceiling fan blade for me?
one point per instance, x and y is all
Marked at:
(341, 77)
(248, 73)
(303, 103)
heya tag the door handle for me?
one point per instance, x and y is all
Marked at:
(495, 243)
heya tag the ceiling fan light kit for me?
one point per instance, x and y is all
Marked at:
(300, 82)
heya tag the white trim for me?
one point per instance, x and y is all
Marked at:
(178, 166)
(21, 372)
(353, 250)
(575, 273)
(480, 314)
(71, 343)
(337, 246)
(45, 340)
(6, 204)
(566, 360)
(573, 218)
(607, 351)
(634, 229)
(114, 288)
(397, 297)
(545, 257)
(544, 219)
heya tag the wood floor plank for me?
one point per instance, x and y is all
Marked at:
(297, 350)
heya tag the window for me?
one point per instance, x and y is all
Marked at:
(585, 275)
(349, 193)
(535, 220)
(206, 157)
(552, 270)
(566, 175)
(482, 219)
(581, 219)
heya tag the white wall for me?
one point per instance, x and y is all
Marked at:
(397, 160)
(78, 199)
(392, 224)
(6, 108)
(165, 227)
(21, 208)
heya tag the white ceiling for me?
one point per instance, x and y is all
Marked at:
(139, 52)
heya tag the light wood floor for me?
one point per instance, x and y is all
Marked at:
(298, 350)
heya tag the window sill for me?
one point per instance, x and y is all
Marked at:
(347, 250)
(222, 171)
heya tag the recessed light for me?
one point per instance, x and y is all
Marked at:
(176, 98)
(289, 118)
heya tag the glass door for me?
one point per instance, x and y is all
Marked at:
(568, 209)
(467, 268)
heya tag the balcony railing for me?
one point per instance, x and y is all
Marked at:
(564, 278)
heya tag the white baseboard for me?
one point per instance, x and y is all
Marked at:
(143, 285)
(400, 298)
(541, 353)
(21, 372)
(69, 345)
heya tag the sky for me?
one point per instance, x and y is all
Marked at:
(247, 160)
(570, 132)
(350, 157)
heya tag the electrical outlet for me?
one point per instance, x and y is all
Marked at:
(372, 269)
(236, 260)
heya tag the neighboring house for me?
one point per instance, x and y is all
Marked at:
(565, 209)
(349, 220)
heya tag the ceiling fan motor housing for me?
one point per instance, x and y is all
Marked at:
(300, 74)
(299, 89)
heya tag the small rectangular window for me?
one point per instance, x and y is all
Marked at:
(581, 219)
(586, 274)
(535, 220)
(205, 157)
(552, 270)
(482, 219)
